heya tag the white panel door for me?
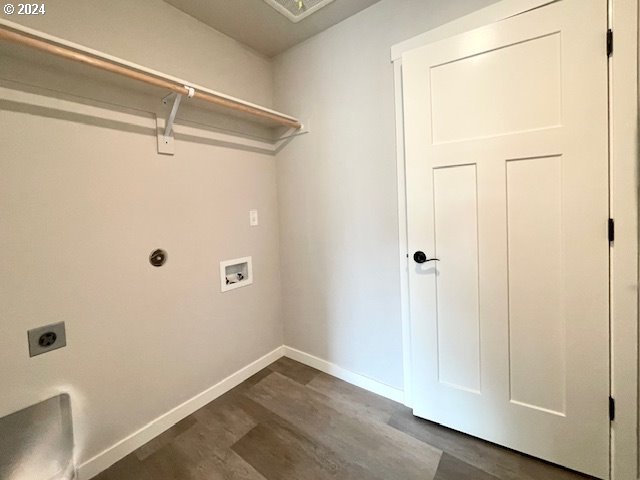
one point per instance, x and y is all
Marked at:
(507, 185)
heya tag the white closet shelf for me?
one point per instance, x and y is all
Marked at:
(13, 33)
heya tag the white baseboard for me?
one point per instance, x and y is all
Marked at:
(356, 379)
(124, 447)
(111, 455)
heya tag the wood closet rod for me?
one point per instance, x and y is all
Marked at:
(74, 55)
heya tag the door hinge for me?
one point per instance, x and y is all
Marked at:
(609, 43)
(612, 409)
(612, 230)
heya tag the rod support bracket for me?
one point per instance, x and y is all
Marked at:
(168, 128)
(165, 139)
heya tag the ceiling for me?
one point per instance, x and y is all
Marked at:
(261, 27)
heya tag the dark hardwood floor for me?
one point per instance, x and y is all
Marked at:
(291, 422)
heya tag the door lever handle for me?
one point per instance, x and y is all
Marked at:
(421, 257)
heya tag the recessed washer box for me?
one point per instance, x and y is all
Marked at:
(235, 273)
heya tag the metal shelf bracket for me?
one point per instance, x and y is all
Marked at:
(168, 126)
(165, 144)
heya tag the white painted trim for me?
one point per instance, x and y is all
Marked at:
(348, 376)
(623, 91)
(491, 14)
(625, 448)
(403, 250)
(124, 447)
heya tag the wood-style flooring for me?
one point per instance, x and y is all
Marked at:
(292, 422)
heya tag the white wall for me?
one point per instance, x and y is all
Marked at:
(337, 193)
(85, 198)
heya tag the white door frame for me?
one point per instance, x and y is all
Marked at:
(623, 186)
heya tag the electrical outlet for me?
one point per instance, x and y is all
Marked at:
(47, 338)
(253, 218)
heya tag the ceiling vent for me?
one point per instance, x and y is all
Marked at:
(296, 10)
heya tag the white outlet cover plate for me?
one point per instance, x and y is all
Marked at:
(253, 218)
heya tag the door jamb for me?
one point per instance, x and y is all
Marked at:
(623, 187)
(623, 205)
